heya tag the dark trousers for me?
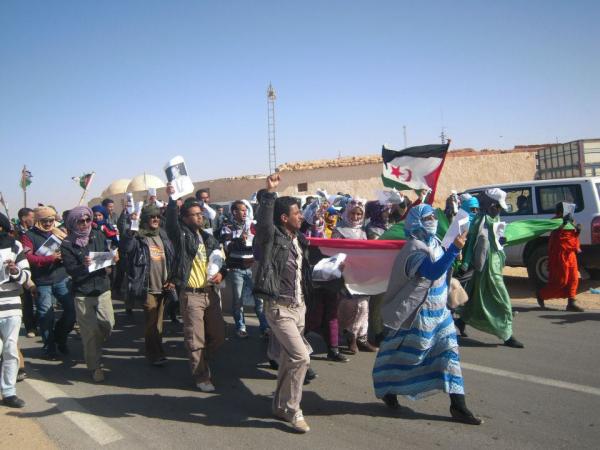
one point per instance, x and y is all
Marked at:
(323, 316)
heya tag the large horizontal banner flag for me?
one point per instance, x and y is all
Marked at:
(368, 264)
(413, 167)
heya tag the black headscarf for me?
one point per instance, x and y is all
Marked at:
(6, 240)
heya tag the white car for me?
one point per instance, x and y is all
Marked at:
(537, 200)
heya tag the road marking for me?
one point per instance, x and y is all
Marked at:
(93, 426)
(532, 379)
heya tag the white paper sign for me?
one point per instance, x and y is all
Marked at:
(499, 232)
(459, 225)
(178, 177)
(568, 208)
(135, 224)
(129, 202)
(3, 270)
(100, 260)
(49, 247)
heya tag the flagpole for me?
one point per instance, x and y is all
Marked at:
(82, 196)
(24, 186)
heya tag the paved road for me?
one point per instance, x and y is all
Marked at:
(546, 395)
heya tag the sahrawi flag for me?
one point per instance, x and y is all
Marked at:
(84, 180)
(413, 168)
(25, 178)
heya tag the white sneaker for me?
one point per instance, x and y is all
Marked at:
(206, 386)
(98, 376)
(298, 423)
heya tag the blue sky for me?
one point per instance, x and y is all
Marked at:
(119, 87)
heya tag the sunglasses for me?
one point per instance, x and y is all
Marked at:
(47, 221)
(153, 217)
(82, 221)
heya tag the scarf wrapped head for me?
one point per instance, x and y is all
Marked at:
(352, 205)
(102, 210)
(468, 203)
(413, 224)
(375, 211)
(147, 212)
(75, 235)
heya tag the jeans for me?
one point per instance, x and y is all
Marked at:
(52, 333)
(241, 284)
(9, 334)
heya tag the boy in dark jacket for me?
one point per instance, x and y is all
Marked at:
(203, 324)
(93, 301)
(151, 258)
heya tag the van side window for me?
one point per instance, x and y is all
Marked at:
(549, 196)
(518, 201)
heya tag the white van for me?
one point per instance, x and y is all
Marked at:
(537, 200)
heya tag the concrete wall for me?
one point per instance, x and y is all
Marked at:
(462, 170)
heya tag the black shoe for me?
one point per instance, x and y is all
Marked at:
(512, 342)
(13, 402)
(391, 401)
(335, 355)
(572, 306)
(463, 415)
(461, 326)
(540, 301)
(310, 375)
(50, 355)
(63, 349)
(273, 364)
(21, 375)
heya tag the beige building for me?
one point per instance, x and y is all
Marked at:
(356, 175)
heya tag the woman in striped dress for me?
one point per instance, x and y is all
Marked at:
(419, 355)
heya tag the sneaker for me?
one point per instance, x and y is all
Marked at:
(13, 402)
(206, 386)
(242, 334)
(31, 334)
(160, 362)
(21, 375)
(98, 376)
(298, 423)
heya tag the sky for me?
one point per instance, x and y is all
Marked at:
(121, 86)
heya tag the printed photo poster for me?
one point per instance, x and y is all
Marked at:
(177, 176)
(49, 247)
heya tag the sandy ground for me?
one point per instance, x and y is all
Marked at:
(522, 291)
(22, 433)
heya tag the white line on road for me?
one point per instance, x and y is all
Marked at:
(93, 426)
(532, 379)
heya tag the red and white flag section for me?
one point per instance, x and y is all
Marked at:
(368, 264)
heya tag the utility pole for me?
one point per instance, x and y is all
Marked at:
(271, 97)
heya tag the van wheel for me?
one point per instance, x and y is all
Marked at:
(537, 266)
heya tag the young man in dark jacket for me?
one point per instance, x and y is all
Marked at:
(93, 301)
(51, 279)
(203, 324)
(284, 281)
(151, 257)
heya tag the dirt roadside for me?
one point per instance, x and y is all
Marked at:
(22, 433)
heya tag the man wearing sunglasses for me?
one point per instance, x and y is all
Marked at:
(52, 281)
(203, 324)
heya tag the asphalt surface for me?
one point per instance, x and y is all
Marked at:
(548, 395)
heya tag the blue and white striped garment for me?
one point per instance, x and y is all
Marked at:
(424, 359)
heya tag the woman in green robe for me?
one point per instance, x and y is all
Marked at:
(489, 308)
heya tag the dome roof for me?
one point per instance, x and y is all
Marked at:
(116, 187)
(143, 182)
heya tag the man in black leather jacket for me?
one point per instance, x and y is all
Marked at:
(284, 281)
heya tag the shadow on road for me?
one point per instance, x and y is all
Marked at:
(568, 318)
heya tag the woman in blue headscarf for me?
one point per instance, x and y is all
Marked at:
(419, 355)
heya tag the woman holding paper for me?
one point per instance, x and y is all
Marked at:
(91, 286)
(563, 272)
(419, 355)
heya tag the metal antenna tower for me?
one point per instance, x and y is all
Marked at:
(271, 97)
